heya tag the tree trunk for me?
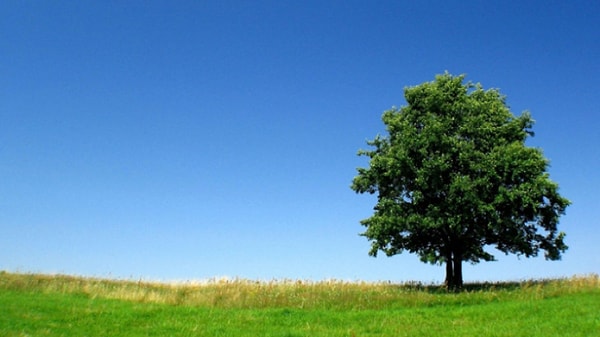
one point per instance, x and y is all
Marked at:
(454, 280)
(449, 282)
(457, 271)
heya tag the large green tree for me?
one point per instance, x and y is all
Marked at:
(454, 178)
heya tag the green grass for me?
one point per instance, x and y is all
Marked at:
(43, 305)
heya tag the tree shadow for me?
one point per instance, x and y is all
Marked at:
(473, 286)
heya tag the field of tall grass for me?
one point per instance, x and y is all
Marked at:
(60, 305)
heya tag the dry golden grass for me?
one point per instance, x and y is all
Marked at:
(332, 294)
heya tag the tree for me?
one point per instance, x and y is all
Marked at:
(454, 177)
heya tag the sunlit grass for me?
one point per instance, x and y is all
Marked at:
(60, 305)
(329, 294)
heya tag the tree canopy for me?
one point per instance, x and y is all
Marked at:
(453, 177)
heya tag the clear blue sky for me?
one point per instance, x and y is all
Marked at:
(187, 140)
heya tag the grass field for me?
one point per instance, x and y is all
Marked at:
(46, 305)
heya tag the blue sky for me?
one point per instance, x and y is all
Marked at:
(187, 140)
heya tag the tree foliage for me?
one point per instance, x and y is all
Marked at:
(454, 177)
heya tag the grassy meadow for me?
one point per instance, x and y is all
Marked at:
(58, 305)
